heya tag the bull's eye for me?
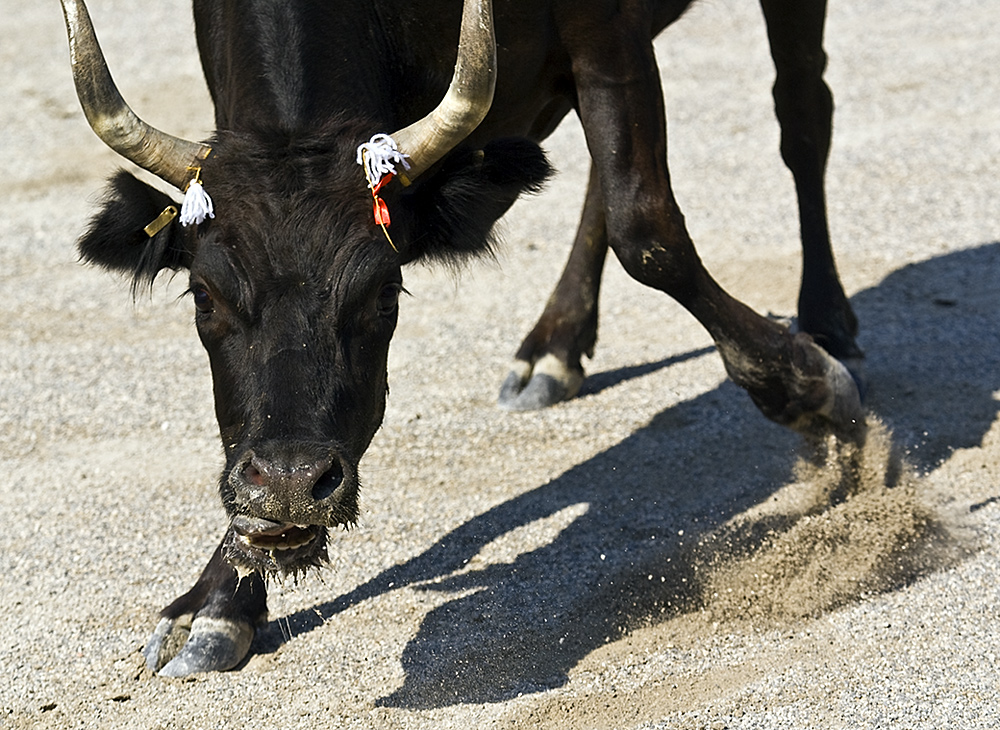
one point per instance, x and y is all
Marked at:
(202, 299)
(388, 298)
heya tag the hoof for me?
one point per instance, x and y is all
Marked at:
(177, 649)
(841, 411)
(531, 388)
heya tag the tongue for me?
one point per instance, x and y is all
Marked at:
(267, 535)
(255, 526)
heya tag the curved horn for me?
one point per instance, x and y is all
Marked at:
(167, 157)
(468, 98)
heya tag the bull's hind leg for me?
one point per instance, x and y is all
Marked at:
(790, 378)
(547, 366)
(804, 107)
(211, 626)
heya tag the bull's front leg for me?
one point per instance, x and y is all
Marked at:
(547, 367)
(804, 107)
(789, 377)
(211, 626)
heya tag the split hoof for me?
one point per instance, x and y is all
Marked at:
(179, 649)
(531, 388)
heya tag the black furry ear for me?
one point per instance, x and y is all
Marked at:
(116, 240)
(453, 212)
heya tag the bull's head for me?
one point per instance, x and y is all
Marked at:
(295, 289)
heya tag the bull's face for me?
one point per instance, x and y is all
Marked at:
(299, 370)
(295, 293)
(295, 301)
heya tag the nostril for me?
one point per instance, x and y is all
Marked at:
(276, 479)
(253, 476)
(327, 484)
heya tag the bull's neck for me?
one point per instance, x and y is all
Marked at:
(292, 64)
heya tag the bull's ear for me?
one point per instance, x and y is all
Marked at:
(116, 239)
(453, 212)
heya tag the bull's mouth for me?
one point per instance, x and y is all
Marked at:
(274, 548)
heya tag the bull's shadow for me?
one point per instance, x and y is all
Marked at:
(933, 344)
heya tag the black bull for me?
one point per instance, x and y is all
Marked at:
(295, 287)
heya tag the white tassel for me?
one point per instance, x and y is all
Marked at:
(197, 206)
(379, 157)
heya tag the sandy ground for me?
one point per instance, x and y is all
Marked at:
(653, 554)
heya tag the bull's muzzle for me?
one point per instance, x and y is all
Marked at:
(302, 484)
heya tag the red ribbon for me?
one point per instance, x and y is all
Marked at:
(381, 183)
(380, 209)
